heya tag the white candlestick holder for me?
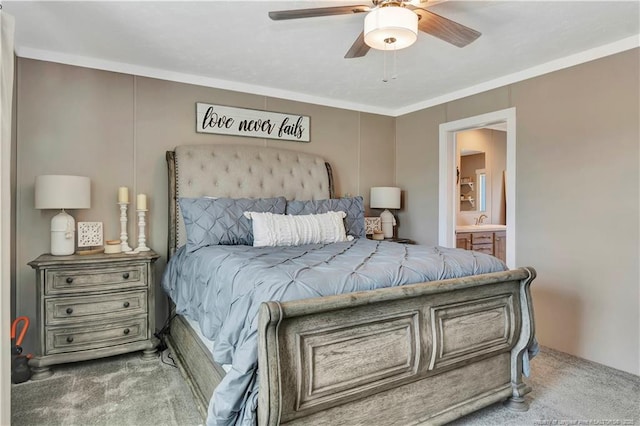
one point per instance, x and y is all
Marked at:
(141, 225)
(124, 245)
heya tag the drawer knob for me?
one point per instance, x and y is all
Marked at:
(126, 331)
(69, 311)
(125, 304)
(70, 339)
(69, 280)
(125, 275)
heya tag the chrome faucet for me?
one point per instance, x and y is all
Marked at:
(480, 218)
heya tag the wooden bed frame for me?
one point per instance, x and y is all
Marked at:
(424, 353)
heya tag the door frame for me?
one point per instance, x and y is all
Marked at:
(447, 176)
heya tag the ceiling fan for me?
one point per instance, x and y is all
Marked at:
(428, 22)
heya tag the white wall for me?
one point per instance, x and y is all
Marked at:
(577, 202)
(116, 128)
(7, 144)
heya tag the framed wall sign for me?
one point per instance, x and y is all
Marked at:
(224, 120)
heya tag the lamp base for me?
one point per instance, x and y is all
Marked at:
(388, 222)
(63, 234)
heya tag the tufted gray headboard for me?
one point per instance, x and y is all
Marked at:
(241, 171)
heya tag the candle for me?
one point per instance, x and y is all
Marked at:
(123, 194)
(142, 202)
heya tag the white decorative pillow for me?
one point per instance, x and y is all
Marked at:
(270, 230)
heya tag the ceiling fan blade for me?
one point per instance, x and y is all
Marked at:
(444, 29)
(319, 11)
(358, 49)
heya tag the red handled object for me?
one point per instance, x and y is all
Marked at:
(25, 326)
(20, 371)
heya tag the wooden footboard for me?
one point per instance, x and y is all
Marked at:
(422, 353)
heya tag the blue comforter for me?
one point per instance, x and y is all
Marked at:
(222, 287)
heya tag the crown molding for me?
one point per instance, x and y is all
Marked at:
(136, 70)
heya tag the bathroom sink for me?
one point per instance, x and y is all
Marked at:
(481, 227)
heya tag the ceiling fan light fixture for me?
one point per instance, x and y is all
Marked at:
(390, 27)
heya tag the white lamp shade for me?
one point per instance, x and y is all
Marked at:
(385, 197)
(384, 24)
(62, 192)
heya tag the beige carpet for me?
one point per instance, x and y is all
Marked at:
(116, 391)
(569, 391)
(127, 391)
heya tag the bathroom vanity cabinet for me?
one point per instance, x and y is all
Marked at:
(500, 245)
(492, 242)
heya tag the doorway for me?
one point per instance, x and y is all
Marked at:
(448, 187)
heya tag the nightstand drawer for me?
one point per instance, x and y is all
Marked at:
(65, 281)
(80, 309)
(482, 238)
(72, 339)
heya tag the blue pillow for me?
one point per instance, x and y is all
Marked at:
(221, 221)
(352, 206)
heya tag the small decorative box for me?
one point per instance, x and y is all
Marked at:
(112, 247)
(378, 235)
(372, 224)
(89, 234)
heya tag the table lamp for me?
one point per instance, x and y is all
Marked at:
(62, 192)
(386, 197)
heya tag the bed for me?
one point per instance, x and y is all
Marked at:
(421, 353)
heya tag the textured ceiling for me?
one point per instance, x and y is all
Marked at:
(234, 45)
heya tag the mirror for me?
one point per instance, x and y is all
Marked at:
(481, 161)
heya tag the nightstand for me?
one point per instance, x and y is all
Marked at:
(93, 306)
(396, 240)
(400, 240)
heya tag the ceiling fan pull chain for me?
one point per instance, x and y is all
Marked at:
(384, 65)
(394, 75)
